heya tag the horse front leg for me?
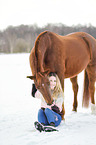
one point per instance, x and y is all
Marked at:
(62, 85)
(75, 89)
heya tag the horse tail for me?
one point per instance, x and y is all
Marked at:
(86, 96)
(91, 44)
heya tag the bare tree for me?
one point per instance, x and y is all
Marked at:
(22, 38)
(11, 38)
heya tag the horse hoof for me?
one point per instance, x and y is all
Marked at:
(74, 109)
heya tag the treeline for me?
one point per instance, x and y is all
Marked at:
(21, 39)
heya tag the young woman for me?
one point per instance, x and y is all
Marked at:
(50, 116)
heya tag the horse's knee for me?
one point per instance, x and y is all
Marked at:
(74, 84)
(76, 88)
(92, 90)
(91, 86)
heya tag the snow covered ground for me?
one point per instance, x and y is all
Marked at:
(18, 110)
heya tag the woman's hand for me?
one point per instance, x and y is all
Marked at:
(56, 109)
(33, 90)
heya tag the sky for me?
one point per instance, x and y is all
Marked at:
(42, 12)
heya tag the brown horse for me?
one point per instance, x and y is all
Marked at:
(67, 56)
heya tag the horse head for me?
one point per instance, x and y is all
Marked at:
(42, 84)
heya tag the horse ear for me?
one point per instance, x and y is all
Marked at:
(45, 73)
(31, 77)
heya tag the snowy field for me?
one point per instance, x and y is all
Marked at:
(18, 110)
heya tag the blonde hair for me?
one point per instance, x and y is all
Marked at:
(58, 89)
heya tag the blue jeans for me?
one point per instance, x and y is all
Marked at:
(47, 116)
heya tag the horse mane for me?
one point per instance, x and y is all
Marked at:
(37, 42)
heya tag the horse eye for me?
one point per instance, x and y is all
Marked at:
(48, 83)
(38, 87)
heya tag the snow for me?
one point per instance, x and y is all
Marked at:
(18, 110)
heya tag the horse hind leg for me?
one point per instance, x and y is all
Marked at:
(75, 89)
(91, 70)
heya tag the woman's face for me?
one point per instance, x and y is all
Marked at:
(52, 81)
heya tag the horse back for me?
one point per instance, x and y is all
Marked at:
(55, 52)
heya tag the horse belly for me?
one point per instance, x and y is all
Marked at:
(76, 62)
